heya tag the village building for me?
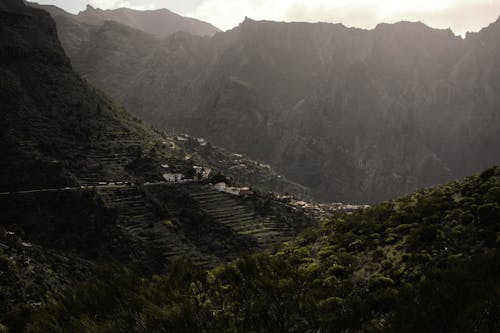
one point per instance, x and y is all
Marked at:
(232, 190)
(173, 177)
(245, 191)
(220, 186)
(201, 173)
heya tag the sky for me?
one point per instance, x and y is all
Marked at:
(459, 15)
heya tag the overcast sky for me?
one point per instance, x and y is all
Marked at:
(460, 15)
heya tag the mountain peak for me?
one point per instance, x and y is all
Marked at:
(247, 21)
(159, 22)
(403, 24)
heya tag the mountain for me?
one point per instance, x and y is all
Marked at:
(82, 181)
(355, 115)
(425, 262)
(160, 22)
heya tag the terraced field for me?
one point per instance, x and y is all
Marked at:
(229, 211)
(114, 163)
(153, 240)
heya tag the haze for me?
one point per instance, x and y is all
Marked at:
(460, 15)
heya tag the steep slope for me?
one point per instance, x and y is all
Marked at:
(240, 169)
(425, 262)
(356, 115)
(81, 179)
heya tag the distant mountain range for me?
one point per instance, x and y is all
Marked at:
(161, 22)
(357, 115)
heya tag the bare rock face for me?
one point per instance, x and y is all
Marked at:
(356, 115)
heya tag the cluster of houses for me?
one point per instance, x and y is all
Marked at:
(222, 187)
(185, 138)
(322, 209)
(199, 174)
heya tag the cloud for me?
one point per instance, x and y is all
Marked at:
(111, 4)
(460, 15)
(74, 6)
(178, 6)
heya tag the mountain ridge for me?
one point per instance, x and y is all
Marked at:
(161, 22)
(322, 103)
(158, 22)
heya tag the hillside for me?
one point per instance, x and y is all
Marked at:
(355, 115)
(425, 262)
(81, 180)
(240, 169)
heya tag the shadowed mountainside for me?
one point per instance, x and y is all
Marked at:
(80, 180)
(356, 115)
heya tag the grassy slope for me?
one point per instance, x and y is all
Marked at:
(426, 262)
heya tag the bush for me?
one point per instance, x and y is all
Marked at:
(488, 214)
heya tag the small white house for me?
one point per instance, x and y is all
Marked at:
(232, 190)
(220, 186)
(245, 191)
(173, 177)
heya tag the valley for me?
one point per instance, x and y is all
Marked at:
(254, 186)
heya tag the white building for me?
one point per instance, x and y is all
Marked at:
(220, 186)
(173, 177)
(201, 173)
(232, 190)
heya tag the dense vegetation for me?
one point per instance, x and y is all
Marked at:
(426, 262)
